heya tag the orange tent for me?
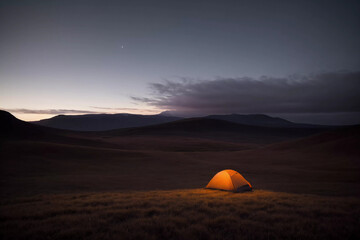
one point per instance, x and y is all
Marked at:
(229, 180)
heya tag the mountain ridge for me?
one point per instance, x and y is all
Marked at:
(104, 122)
(217, 129)
(206, 128)
(263, 120)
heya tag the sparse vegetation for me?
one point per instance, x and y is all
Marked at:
(89, 186)
(181, 214)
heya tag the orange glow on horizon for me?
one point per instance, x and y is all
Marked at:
(39, 116)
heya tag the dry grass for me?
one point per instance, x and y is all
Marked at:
(31, 168)
(181, 214)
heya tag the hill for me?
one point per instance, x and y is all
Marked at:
(202, 132)
(103, 122)
(344, 140)
(218, 129)
(170, 156)
(263, 121)
(12, 128)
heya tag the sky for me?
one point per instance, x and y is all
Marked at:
(295, 59)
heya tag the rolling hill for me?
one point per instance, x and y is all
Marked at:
(12, 128)
(218, 129)
(200, 128)
(262, 120)
(180, 154)
(103, 122)
(341, 140)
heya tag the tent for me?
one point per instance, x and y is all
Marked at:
(229, 180)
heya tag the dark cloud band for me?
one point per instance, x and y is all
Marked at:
(50, 111)
(320, 93)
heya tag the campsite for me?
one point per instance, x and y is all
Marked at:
(179, 120)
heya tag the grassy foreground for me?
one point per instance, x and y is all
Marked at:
(180, 214)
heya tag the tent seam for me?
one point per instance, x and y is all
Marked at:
(232, 182)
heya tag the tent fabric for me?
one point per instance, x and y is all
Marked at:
(229, 180)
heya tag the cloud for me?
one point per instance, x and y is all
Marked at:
(50, 111)
(108, 110)
(129, 110)
(320, 93)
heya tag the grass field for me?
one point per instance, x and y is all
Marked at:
(181, 214)
(30, 168)
(150, 187)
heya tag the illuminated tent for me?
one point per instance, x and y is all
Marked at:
(229, 180)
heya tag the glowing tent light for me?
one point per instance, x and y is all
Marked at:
(229, 180)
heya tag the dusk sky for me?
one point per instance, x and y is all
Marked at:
(294, 59)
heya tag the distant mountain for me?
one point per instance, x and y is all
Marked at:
(168, 114)
(219, 130)
(205, 128)
(262, 120)
(103, 122)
